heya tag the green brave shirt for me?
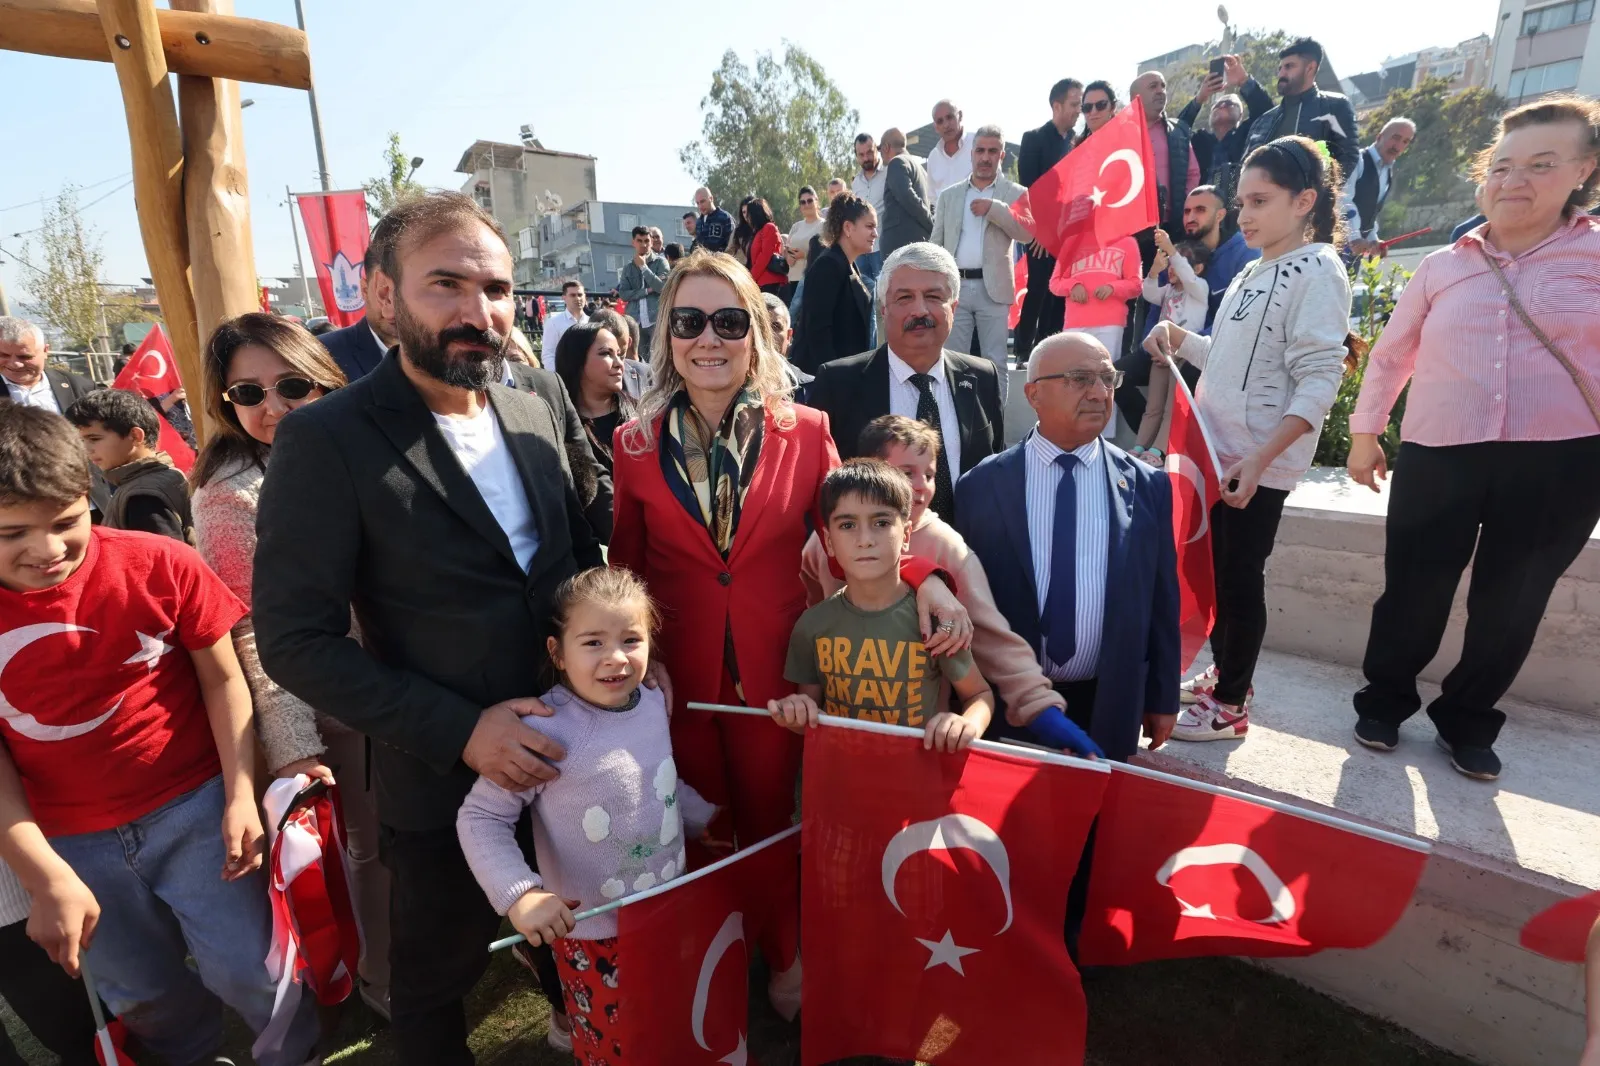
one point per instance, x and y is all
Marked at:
(871, 665)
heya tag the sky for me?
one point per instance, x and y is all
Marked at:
(622, 82)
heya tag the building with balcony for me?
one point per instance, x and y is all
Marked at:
(520, 183)
(1545, 47)
(592, 241)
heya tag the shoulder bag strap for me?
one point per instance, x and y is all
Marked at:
(1584, 388)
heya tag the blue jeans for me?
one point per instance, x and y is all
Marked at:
(159, 883)
(794, 302)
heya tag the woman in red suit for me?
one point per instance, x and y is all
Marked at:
(764, 244)
(714, 481)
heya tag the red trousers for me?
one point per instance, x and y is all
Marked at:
(750, 767)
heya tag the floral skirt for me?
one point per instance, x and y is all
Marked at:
(588, 971)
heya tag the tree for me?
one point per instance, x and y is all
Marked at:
(1257, 51)
(1451, 129)
(770, 131)
(395, 185)
(65, 276)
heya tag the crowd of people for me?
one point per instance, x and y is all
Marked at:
(458, 578)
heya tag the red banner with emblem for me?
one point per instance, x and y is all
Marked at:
(336, 230)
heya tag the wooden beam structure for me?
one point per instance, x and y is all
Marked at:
(130, 34)
(216, 190)
(200, 43)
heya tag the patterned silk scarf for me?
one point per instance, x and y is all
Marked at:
(709, 470)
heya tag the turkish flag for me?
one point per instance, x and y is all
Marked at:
(1101, 190)
(1562, 932)
(152, 373)
(683, 959)
(1019, 277)
(934, 892)
(1182, 870)
(1196, 488)
(336, 230)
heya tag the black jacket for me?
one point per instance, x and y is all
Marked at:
(365, 505)
(588, 473)
(355, 348)
(835, 313)
(1221, 158)
(855, 390)
(1325, 117)
(1041, 150)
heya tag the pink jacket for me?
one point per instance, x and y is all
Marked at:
(1116, 265)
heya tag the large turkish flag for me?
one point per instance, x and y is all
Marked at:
(1182, 870)
(934, 891)
(152, 372)
(683, 959)
(1196, 488)
(1102, 190)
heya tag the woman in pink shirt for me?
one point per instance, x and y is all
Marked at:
(1499, 335)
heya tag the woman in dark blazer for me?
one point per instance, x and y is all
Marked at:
(836, 314)
(715, 481)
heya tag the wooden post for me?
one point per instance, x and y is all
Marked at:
(216, 192)
(135, 43)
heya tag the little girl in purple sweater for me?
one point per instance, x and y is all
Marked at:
(615, 821)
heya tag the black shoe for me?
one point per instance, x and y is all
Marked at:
(1481, 764)
(1377, 734)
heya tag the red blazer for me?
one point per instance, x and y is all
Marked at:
(758, 590)
(763, 246)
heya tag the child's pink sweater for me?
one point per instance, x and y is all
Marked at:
(1116, 265)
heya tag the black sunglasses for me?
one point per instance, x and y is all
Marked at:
(729, 323)
(249, 394)
(1098, 105)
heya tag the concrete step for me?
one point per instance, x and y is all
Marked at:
(1452, 969)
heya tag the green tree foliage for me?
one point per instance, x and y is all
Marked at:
(394, 185)
(62, 271)
(1375, 291)
(772, 129)
(1451, 129)
(1257, 50)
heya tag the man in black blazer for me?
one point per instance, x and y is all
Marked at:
(913, 374)
(591, 479)
(1043, 312)
(31, 383)
(441, 506)
(359, 348)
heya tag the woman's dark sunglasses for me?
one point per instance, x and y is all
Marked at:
(1097, 105)
(249, 394)
(730, 323)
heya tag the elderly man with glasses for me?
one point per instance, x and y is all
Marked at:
(1220, 149)
(1076, 538)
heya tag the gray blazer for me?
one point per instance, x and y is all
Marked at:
(645, 283)
(1000, 229)
(907, 204)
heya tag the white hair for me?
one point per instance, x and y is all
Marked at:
(19, 330)
(1392, 123)
(1228, 98)
(990, 130)
(922, 255)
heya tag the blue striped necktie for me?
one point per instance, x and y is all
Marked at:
(1059, 621)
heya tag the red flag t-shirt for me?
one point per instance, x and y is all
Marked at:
(100, 705)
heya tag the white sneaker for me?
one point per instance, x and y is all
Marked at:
(1210, 720)
(784, 992)
(1201, 684)
(559, 1039)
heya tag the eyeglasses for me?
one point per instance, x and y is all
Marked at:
(1543, 169)
(1098, 105)
(1082, 379)
(729, 323)
(807, 202)
(249, 394)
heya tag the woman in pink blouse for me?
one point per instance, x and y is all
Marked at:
(1501, 432)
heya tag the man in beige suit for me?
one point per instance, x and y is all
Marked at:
(973, 222)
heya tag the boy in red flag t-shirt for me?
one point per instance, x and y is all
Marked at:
(125, 743)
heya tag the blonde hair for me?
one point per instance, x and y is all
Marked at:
(766, 374)
(1580, 111)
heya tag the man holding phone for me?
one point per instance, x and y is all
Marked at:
(1220, 148)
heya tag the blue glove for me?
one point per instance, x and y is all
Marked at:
(1054, 729)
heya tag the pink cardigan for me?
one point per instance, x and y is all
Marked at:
(1116, 265)
(1004, 659)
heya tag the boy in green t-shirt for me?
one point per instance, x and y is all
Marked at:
(859, 653)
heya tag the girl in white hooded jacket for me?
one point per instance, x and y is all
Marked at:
(1279, 346)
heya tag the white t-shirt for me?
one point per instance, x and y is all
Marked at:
(800, 235)
(39, 394)
(554, 327)
(481, 447)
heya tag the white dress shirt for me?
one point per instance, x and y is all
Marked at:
(40, 394)
(969, 249)
(480, 445)
(1094, 544)
(554, 327)
(946, 170)
(903, 396)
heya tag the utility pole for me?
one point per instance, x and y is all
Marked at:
(5, 306)
(294, 228)
(316, 117)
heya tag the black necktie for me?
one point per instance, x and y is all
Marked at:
(928, 412)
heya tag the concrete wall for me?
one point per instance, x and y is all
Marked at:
(1327, 572)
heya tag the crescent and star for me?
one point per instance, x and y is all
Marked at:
(151, 649)
(944, 834)
(1135, 177)
(1283, 902)
(732, 932)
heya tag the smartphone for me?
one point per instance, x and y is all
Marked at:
(1218, 68)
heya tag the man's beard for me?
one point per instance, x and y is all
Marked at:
(429, 352)
(1202, 231)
